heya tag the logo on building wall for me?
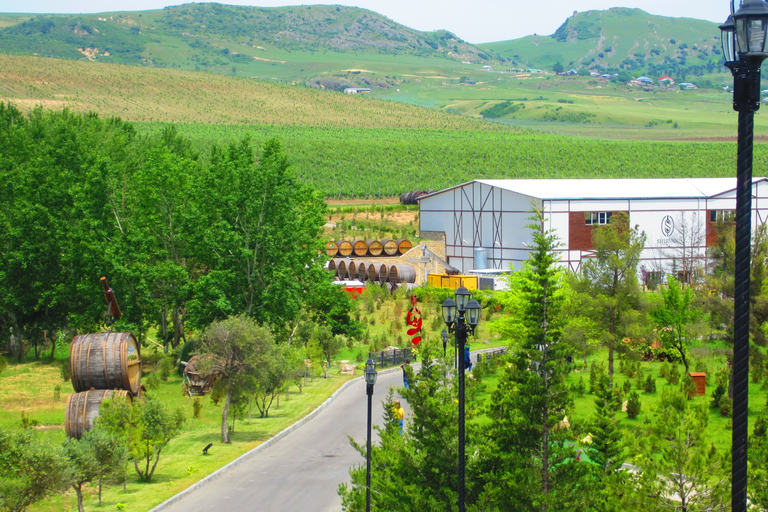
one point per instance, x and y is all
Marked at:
(667, 225)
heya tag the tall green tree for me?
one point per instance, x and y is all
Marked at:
(155, 427)
(608, 291)
(240, 345)
(675, 317)
(263, 236)
(525, 452)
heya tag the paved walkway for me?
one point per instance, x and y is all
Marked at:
(301, 470)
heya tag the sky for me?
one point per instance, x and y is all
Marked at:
(478, 21)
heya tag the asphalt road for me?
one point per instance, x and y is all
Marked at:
(302, 470)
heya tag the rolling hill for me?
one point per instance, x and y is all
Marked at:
(621, 39)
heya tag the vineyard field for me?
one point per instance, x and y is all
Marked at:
(347, 162)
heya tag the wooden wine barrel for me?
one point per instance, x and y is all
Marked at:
(83, 408)
(402, 274)
(341, 270)
(331, 249)
(105, 360)
(362, 271)
(352, 269)
(403, 245)
(390, 247)
(345, 248)
(374, 247)
(379, 273)
(360, 247)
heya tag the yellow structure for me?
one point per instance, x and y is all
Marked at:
(452, 281)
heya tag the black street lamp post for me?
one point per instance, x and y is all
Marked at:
(743, 37)
(370, 380)
(461, 326)
(444, 336)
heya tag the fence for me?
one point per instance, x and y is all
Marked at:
(392, 357)
(491, 354)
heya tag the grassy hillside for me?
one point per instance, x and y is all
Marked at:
(621, 39)
(149, 94)
(301, 41)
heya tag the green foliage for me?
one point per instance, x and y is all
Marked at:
(725, 406)
(197, 406)
(674, 317)
(650, 384)
(3, 363)
(30, 469)
(501, 109)
(153, 429)
(673, 377)
(633, 405)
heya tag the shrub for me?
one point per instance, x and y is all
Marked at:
(3, 363)
(673, 377)
(650, 385)
(595, 370)
(664, 370)
(726, 406)
(57, 393)
(633, 405)
(579, 387)
(152, 381)
(717, 394)
(197, 406)
(166, 367)
(66, 373)
(689, 387)
(627, 387)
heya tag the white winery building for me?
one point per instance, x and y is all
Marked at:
(483, 222)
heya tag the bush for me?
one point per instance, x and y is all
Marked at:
(650, 385)
(627, 387)
(3, 363)
(726, 406)
(152, 381)
(579, 388)
(197, 406)
(57, 393)
(66, 373)
(689, 387)
(166, 367)
(595, 370)
(673, 377)
(633, 405)
(664, 370)
(717, 394)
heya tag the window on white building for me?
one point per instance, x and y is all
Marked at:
(598, 218)
(722, 216)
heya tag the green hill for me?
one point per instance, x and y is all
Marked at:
(247, 41)
(621, 39)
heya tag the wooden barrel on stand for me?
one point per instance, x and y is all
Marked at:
(105, 360)
(83, 408)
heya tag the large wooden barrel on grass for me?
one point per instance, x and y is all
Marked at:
(360, 248)
(403, 245)
(374, 247)
(352, 269)
(390, 247)
(83, 408)
(345, 248)
(105, 360)
(402, 274)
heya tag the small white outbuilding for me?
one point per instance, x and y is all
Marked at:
(489, 218)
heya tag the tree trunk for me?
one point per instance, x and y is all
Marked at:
(99, 490)
(53, 346)
(224, 414)
(79, 492)
(164, 328)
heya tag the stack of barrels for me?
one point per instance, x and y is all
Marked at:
(103, 365)
(375, 272)
(361, 248)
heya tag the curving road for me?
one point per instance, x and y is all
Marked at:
(301, 470)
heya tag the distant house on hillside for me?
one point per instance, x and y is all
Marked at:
(644, 80)
(573, 72)
(688, 85)
(356, 90)
(666, 80)
(487, 68)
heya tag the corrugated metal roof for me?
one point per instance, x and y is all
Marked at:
(617, 188)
